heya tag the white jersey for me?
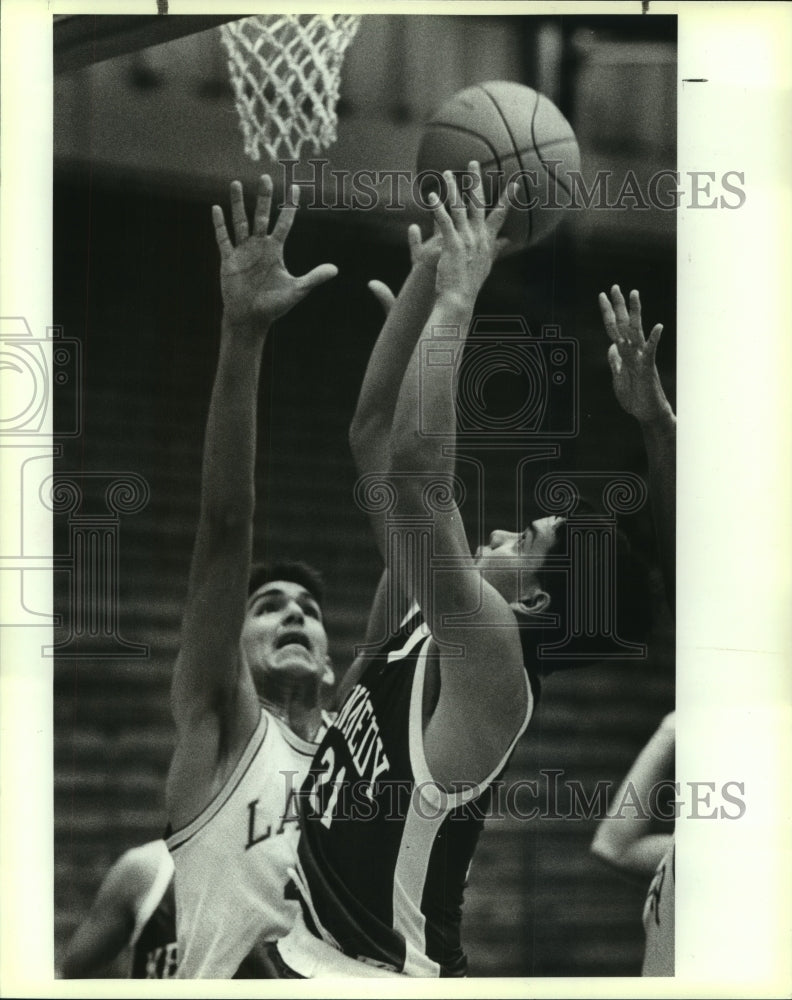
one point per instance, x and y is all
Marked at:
(231, 861)
(658, 920)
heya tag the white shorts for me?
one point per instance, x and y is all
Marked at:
(311, 957)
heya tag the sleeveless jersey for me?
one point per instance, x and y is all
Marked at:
(232, 860)
(658, 920)
(384, 852)
(153, 941)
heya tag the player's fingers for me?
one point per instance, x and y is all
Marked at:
(263, 205)
(497, 216)
(614, 359)
(654, 339)
(318, 276)
(620, 309)
(608, 317)
(442, 218)
(635, 328)
(286, 217)
(382, 294)
(456, 203)
(238, 213)
(476, 194)
(414, 240)
(220, 231)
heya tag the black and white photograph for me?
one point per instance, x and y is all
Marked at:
(361, 618)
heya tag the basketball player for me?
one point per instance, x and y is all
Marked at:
(395, 800)
(627, 843)
(133, 909)
(253, 662)
(637, 386)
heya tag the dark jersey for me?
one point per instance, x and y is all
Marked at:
(154, 954)
(658, 919)
(384, 852)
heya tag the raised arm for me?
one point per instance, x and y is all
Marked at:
(369, 432)
(108, 927)
(625, 839)
(213, 699)
(424, 420)
(480, 688)
(638, 389)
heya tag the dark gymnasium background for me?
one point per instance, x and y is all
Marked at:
(144, 143)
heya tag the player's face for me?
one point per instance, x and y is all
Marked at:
(284, 632)
(510, 560)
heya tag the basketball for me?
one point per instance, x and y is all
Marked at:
(516, 134)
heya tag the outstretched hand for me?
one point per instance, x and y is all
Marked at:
(426, 253)
(423, 253)
(636, 381)
(470, 240)
(256, 286)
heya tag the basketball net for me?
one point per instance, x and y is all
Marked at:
(285, 70)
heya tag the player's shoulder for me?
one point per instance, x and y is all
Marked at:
(145, 861)
(136, 871)
(492, 633)
(484, 683)
(283, 739)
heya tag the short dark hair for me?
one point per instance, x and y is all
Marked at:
(293, 571)
(634, 600)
